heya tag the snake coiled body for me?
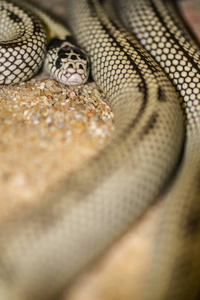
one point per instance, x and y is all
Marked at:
(22, 58)
(43, 251)
(170, 45)
(24, 33)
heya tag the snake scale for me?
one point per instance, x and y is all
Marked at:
(43, 251)
(30, 37)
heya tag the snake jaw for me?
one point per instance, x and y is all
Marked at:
(71, 73)
(71, 79)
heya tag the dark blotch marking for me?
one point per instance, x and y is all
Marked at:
(83, 57)
(74, 57)
(151, 124)
(14, 17)
(55, 43)
(58, 63)
(64, 50)
(182, 268)
(161, 95)
(141, 87)
(63, 55)
(193, 223)
(70, 39)
(77, 51)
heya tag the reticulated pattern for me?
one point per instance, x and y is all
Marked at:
(161, 35)
(22, 44)
(175, 268)
(43, 251)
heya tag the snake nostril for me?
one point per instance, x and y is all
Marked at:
(81, 67)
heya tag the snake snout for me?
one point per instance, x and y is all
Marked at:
(72, 79)
(74, 73)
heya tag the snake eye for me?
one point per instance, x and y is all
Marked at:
(58, 63)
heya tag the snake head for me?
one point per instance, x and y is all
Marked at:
(67, 63)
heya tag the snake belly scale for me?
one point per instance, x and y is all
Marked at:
(43, 251)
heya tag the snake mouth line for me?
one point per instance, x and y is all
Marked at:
(72, 79)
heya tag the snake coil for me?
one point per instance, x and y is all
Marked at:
(43, 251)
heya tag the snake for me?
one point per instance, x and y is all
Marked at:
(30, 38)
(143, 59)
